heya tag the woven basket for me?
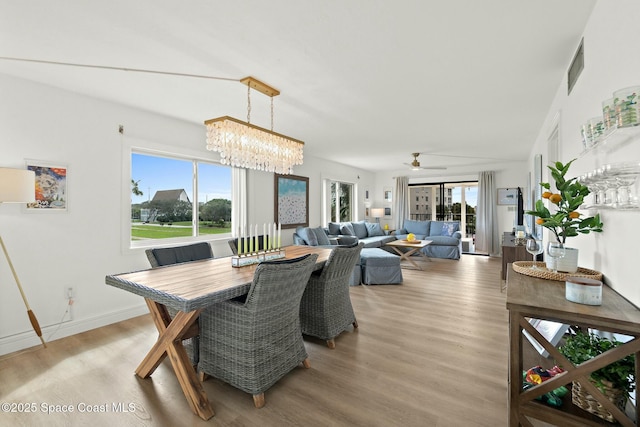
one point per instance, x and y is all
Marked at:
(524, 267)
(584, 400)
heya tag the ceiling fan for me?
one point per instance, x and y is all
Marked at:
(415, 164)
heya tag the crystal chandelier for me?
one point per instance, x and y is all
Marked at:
(244, 145)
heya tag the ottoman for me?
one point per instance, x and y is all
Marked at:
(380, 267)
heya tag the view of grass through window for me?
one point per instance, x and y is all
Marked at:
(163, 201)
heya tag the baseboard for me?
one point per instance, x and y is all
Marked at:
(30, 339)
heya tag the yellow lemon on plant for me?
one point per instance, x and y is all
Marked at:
(574, 215)
(539, 221)
(411, 237)
(546, 194)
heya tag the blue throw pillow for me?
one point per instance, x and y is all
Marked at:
(448, 228)
(321, 236)
(307, 235)
(417, 227)
(374, 229)
(347, 229)
(360, 229)
(334, 228)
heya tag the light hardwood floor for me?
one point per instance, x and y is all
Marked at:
(429, 352)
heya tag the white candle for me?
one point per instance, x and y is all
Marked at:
(256, 238)
(264, 237)
(244, 236)
(279, 234)
(273, 234)
(250, 238)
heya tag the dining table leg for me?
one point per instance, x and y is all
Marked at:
(169, 343)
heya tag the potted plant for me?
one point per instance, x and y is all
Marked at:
(615, 380)
(566, 221)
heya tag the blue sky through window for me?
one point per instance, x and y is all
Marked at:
(156, 173)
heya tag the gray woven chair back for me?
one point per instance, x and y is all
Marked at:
(340, 264)
(278, 286)
(325, 308)
(178, 254)
(252, 345)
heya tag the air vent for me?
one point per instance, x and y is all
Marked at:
(576, 67)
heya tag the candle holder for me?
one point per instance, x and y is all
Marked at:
(256, 257)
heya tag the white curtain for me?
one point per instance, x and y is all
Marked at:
(239, 197)
(487, 233)
(401, 201)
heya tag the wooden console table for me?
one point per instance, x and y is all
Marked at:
(530, 297)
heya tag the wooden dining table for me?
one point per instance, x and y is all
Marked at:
(189, 288)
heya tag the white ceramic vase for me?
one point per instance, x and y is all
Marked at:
(567, 264)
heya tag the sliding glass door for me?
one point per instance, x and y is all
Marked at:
(446, 201)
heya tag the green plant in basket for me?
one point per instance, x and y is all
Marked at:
(620, 374)
(566, 221)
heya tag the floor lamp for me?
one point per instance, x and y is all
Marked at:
(18, 186)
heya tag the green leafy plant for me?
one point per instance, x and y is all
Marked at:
(565, 221)
(581, 347)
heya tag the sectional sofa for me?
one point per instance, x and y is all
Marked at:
(444, 235)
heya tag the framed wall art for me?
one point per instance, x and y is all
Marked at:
(291, 207)
(51, 187)
(507, 196)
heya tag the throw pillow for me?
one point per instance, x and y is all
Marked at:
(347, 229)
(307, 235)
(374, 229)
(360, 229)
(321, 236)
(448, 228)
(334, 228)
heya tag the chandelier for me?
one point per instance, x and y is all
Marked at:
(244, 145)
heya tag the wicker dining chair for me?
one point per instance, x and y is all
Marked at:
(251, 344)
(159, 257)
(325, 309)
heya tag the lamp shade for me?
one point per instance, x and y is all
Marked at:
(377, 212)
(17, 185)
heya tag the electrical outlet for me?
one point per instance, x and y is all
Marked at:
(69, 292)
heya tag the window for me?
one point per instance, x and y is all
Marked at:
(341, 201)
(178, 198)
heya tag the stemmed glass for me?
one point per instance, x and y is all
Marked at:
(535, 248)
(556, 251)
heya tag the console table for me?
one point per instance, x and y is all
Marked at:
(529, 297)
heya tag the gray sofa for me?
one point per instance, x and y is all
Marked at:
(370, 233)
(446, 239)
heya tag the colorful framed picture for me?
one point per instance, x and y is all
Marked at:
(291, 207)
(51, 189)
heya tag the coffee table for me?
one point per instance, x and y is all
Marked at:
(412, 247)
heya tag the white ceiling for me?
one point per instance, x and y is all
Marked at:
(363, 82)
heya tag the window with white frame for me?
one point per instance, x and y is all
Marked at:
(342, 201)
(178, 198)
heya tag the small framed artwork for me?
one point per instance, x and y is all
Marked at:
(507, 196)
(367, 213)
(51, 187)
(291, 204)
(366, 194)
(387, 212)
(387, 195)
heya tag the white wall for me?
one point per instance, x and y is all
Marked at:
(611, 62)
(51, 251)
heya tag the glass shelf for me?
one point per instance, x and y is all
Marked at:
(614, 139)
